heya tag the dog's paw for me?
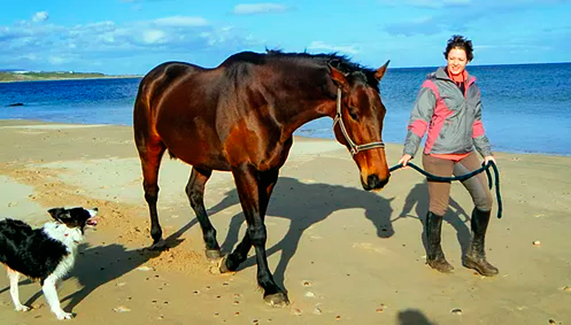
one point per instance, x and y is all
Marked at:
(22, 308)
(63, 315)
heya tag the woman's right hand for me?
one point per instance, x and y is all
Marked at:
(405, 159)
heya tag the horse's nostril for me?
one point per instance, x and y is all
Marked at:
(373, 181)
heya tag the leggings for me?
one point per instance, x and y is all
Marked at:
(439, 193)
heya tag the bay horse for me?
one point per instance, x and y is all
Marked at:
(240, 117)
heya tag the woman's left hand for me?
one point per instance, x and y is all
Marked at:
(488, 159)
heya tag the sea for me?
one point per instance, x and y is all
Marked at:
(526, 108)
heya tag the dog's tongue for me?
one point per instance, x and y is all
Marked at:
(92, 222)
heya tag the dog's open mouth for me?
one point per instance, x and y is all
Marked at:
(92, 222)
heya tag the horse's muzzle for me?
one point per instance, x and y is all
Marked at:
(374, 182)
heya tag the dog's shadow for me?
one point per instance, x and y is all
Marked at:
(98, 265)
(305, 205)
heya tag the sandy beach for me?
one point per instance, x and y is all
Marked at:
(345, 256)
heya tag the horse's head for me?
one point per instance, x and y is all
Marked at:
(359, 123)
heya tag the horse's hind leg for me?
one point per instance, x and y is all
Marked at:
(151, 153)
(195, 193)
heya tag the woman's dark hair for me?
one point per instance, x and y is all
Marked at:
(458, 41)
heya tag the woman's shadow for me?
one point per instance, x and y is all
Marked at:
(305, 205)
(413, 317)
(456, 216)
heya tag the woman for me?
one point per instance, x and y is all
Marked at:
(448, 108)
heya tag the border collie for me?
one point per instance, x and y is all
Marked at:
(46, 254)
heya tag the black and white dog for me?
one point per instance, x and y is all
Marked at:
(46, 254)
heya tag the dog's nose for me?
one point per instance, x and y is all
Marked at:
(95, 209)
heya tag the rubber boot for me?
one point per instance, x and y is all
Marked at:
(434, 255)
(476, 256)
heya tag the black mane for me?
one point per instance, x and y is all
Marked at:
(341, 62)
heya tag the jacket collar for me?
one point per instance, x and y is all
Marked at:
(440, 73)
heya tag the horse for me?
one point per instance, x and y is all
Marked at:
(240, 117)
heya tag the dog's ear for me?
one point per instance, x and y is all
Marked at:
(59, 214)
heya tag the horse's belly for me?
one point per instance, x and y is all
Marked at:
(193, 144)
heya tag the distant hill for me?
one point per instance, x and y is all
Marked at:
(9, 75)
(11, 70)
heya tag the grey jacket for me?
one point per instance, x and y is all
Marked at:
(453, 120)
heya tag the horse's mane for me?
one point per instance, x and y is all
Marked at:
(341, 62)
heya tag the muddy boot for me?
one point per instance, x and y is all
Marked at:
(476, 256)
(434, 255)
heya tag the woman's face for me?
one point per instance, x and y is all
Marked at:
(457, 61)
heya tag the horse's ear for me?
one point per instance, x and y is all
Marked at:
(339, 78)
(381, 71)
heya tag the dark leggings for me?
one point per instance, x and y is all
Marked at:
(439, 193)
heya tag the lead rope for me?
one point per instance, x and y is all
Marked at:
(464, 177)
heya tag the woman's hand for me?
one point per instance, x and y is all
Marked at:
(406, 158)
(487, 159)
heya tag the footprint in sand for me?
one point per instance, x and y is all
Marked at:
(370, 247)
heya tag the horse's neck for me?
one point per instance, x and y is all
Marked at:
(302, 112)
(303, 107)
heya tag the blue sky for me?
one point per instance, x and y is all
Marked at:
(133, 36)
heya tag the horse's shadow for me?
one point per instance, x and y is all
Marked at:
(98, 265)
(305, 205)
(456, 216)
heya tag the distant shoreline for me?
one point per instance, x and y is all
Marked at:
(68, 77)
(54, 76)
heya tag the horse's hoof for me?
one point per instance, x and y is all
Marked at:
(277, 300)
(213, 255)
(159, 245)
(222, 265)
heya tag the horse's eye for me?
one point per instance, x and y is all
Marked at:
(353, 114)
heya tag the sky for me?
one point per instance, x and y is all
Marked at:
(133, 36)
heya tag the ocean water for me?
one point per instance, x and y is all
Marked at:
(526, 108)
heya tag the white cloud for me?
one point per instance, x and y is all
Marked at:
(181, 21)
(154, 36)
(322, 46)
(40, 16)
(259, 8)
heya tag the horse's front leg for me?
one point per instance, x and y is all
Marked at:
(254, 189)
(195, 193)
(232, 261)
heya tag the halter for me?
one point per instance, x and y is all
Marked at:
(354, 148)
